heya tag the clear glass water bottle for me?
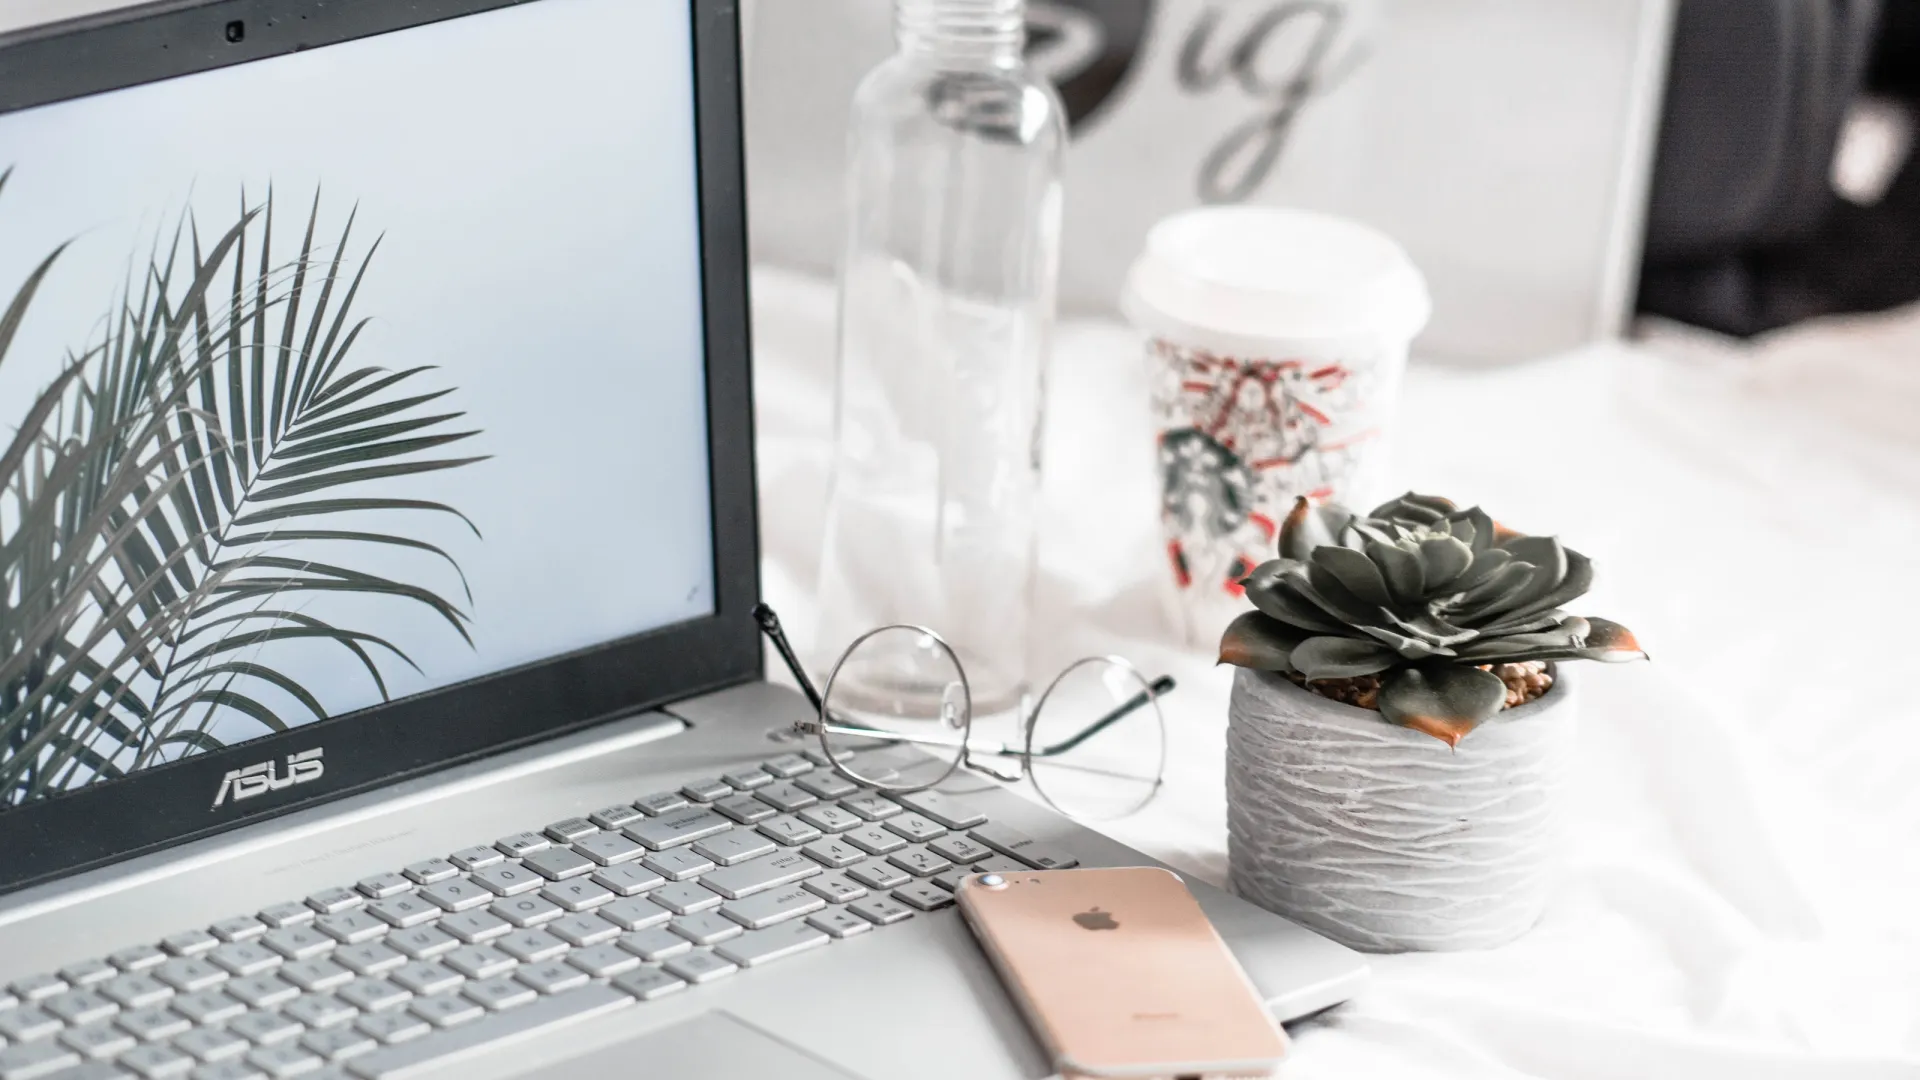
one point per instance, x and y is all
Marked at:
(947, 287)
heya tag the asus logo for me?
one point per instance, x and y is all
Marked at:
(302, 768)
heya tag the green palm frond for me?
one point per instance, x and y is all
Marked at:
(157, 504)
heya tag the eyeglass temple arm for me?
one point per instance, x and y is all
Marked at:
(1160, 687)
(770, 626)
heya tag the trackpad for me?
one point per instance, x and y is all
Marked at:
(711, 1044)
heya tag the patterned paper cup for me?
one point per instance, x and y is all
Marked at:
(1276, 340)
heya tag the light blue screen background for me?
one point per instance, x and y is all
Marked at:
(533, 172)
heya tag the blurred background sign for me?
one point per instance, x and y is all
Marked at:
(1506, 143)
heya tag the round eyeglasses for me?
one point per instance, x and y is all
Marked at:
(896, 715)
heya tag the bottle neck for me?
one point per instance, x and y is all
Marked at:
(967, 32)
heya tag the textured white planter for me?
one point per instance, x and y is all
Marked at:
(1382, 838)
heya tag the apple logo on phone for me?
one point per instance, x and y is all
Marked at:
(1095, 919)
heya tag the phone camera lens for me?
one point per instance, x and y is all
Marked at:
(993, 881)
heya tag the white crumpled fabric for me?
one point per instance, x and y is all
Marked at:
(1742, 888)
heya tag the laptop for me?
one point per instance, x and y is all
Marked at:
(380, 693)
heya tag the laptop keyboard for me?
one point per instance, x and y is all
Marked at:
(452, 955)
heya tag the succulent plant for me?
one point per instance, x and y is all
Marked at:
(1424, 595)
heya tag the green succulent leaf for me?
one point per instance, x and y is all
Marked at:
(1285, 598)
(1350, 571)
(1401, 570)
(1342, 658)
(1308, 526)
(1415, 508)
(1256, 641)
(1568, 634)
(1443, 700)
(1407, 645)
(1444, 559)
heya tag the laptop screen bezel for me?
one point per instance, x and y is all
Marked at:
(170, 803)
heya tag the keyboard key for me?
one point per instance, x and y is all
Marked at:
(815, 755)
(187, 974)
(445, 1010)
(835, 887)
(262, 991)
(284, 1060)
(839, 922)
(766, 946)
(745, 809)
(954, 813)
(431, 870)
(392, 1026)
(80, 1006)
(187, 943)
(337, 1043)
(826, 784)
(96, 1041)
(789, 830)
(422, 942)
(678, 827)
(524, 911)
(706, 928)
(678, 864)
(950, 880)
(878, 874)
(767, 908)
(467, 1041)
(707, 790)
(152, 1023)
(405, 910)
(658, 943)
(919, 862)
(1018, 845)
(142, 957)
(289, 914)
(787, 765)
(874, 840)
(829, 818)
(314, 975)
(475, 858)
(612, 817)
(757, 875)
(332, 901)
(786, 798)
(208, 1007)
(915, 827)
(425, 977)
(37, 987)
(245, 957)
(581, 930)
(264, 1028)
(211, 1043)
(479, 961)
(26, 1022)
(129, 991)
(156, 1062)
(833, 853)
(551, 977)
(735, 847)
(531, 946)
(748, 779)
(579, 894)
(649, 983)
(230, 1069)
(351, 927)
(609, 848)
(699, 966)
(238, 928)
(298, 942)
(558, 864)
(682, 898)
(520, 845)
(504, 879)
(373, 995)
(634, 913)
(368, 958)
(573, 828)
(628, 879)
(881, 910)
(603, 961)
(381, 886)
(30, 1061)
(660, 803)
(477, 890)
(924, 895)
(871, 807)
(959, 849)
(498, 993)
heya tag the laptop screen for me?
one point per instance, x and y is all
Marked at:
(340, 376)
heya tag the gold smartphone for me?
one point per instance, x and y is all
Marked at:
(1121, 974)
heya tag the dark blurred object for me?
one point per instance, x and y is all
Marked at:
(1745, 232)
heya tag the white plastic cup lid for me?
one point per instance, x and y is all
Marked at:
(1266, 272)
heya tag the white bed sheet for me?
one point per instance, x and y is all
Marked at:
(1743, 878)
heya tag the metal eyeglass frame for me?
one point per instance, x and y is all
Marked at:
(822, 725)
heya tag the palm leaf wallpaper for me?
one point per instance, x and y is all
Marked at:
(181, 499)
